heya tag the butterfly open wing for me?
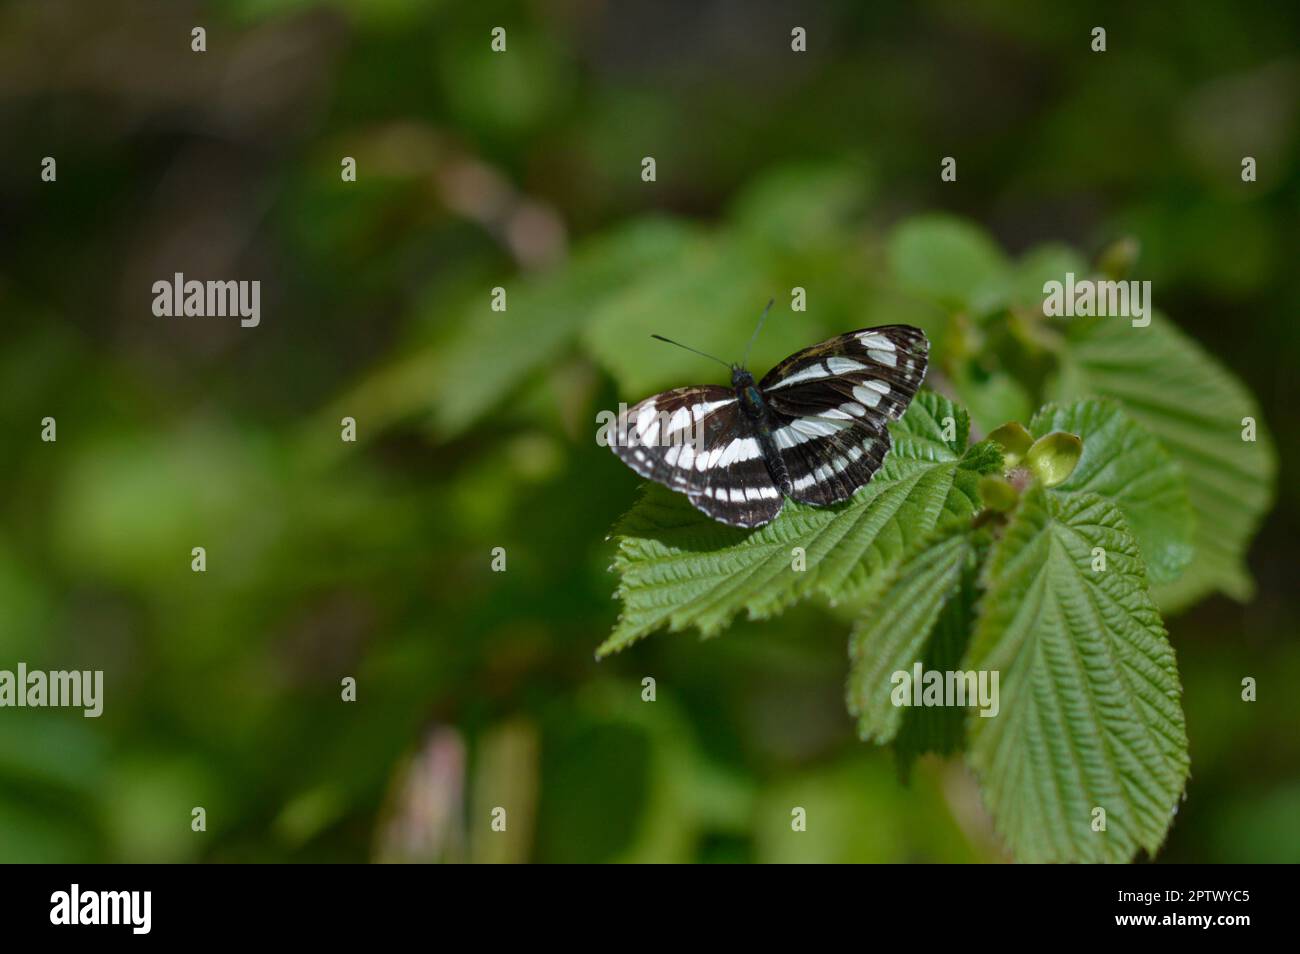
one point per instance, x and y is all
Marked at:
(815, 428)
(695, 440)
(831, 403)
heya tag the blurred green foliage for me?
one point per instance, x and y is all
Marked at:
(521, 170)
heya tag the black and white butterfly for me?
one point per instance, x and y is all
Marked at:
(813, 429)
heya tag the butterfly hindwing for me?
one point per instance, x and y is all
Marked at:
(831, 468)
(696, 441)
(741, 494)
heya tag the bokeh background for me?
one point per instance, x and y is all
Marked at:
(476, 429)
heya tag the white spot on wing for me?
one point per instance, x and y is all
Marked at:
(868, 396)
(698, 411)
(815, 427)
(818, 371)
(644, 419)
(740, 449)
(803, 429)
(875, 341)
(840, 365)
(845, 412)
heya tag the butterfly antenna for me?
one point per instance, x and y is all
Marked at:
(689, 348)
(752, 337)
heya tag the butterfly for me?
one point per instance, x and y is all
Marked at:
(813, 429)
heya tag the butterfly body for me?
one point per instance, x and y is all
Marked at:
(813, 429)
(755, 409)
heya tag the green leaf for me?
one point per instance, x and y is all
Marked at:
(708, 295)
(494, 350)
(950, 260)
(1040, 265)
(894, 631)
(1124, 463)
(1089, 704)
(942, 729)
(804, 205)
(991, 397)
(1194, 407)
(678, 568)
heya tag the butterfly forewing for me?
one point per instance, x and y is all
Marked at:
(878, 369)
(696, 441)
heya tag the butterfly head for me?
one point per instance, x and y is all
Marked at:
(740, 378)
